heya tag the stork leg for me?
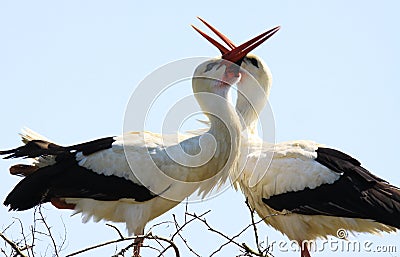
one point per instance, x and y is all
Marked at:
(23, 169)
(304, 250)
(61, 204)
(138, 243)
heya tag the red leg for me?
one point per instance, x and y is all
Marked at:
(304, 250)
(61, 204)
(23, 169)
(136, 249)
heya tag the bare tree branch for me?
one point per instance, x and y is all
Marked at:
(188, 221)
(231, 240)
(13, 245)
(114, 227)
(153, 248)
(123, 250)
(43, 220)
(178, 229)
(64, 237)
(159, 244)
(171, 244)
(5, 229)
(24, 238)
(210, 228)
(159, 224)
(3, 252)
(253, 223)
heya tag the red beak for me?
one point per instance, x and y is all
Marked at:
(219, 34)
(221, 48)
(237, 54)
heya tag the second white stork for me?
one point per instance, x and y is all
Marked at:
(304, 189)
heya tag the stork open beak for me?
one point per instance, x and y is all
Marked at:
(221, 48)
(237, 54)
(219, 34)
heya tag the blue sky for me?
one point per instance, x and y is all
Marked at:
(68, 68)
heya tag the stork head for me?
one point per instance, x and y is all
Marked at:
(258, 69)
(255, 84)
(217, 75)
(256, 79)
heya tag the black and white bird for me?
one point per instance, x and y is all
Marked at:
(131, 178)
(304, 189)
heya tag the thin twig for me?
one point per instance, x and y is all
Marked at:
(186, 208)
(24, 237)
(158, 242)
(189, 221)
(48, 230)
(123, 250)
(33, 231)
(119, 232)
(163, 251)
(250, 225)
(254, 225)
(178, 229)
(251, 251)
(159, 224)
(4, 230)
(13, 245)
(64, 238)
(172, 244)
(214, 230)
(98, 246)
(230, 240)
(4, 252)
(152, 248)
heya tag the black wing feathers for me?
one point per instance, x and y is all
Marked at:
(66, 179)
(36, 148)
(356, 194)
(33, 149)
(93, 146)
(69, 180)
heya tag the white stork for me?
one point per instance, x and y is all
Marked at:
(314, 189)
(95, 179)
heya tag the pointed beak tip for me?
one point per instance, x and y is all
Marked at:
(220, 47)
(237, 54)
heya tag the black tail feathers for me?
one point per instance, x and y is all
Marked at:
(30, 191)
(33, 149)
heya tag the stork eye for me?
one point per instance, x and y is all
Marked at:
(254, 61)
(210, 66)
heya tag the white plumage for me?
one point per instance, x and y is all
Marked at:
(303, 189)
(276, 169)
(132, 178)
(162, 183)
(292, 169)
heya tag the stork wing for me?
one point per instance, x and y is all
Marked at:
(356, 194)
(72, 175)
